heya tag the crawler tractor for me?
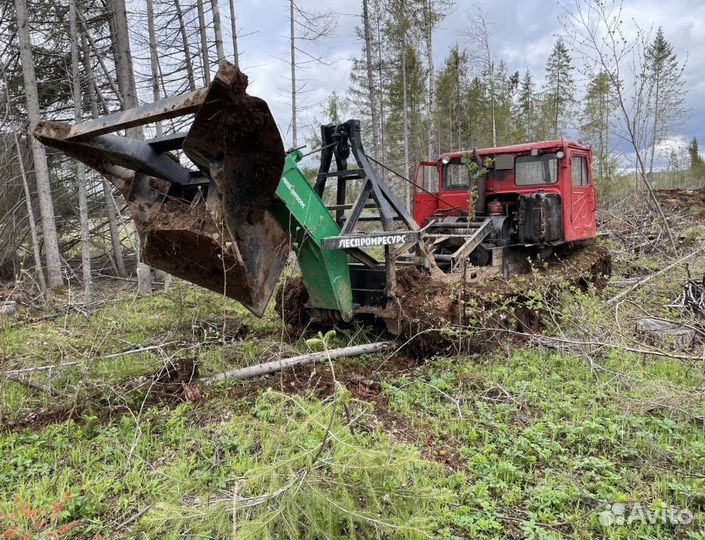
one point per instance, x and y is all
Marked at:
(222, 204)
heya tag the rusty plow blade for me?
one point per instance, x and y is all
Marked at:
(209, 224)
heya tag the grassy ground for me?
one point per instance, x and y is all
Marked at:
(522, 442)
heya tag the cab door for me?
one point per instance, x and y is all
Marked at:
(425, 191)
(583, 204)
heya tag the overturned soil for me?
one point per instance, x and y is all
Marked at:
(443, 314)
(689, 202)
(437, 315)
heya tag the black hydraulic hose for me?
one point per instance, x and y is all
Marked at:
(316, 150)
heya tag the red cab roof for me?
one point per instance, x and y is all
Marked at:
(521, 148)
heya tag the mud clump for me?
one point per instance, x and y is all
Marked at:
(290, 302)
(438, 314)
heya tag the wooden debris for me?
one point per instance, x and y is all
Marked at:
(691, 298)
(648, 278)
(278, 365)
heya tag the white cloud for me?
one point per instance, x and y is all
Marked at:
(524, 33)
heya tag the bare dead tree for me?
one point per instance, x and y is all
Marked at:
(80, 169)
(30, 215)
(110, 207)
(41, 168)
(233, 31)
(311, 27)
(128, 90)
(185, 43)
(217, 30)
(481, 55)
(205, 61)
(153, 59)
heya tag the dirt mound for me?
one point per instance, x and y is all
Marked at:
(437, 315)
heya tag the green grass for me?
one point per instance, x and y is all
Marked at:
(544, 443)
(530, 443)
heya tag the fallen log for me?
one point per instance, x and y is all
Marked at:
(278, 365)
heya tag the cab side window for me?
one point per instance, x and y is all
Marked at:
(579, 171)
(430, 178)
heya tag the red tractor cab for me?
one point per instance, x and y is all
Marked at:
(536, 194)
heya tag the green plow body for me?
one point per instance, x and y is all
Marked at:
(304, 216)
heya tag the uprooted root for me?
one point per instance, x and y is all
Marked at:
(290, 303)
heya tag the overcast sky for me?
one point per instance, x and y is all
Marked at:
(524, 33)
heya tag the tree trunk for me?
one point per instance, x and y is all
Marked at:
(556, 104)
(292, 41)
(233, 30)
(185, 44)
(41, 168)
(380, 80)
(258, 370)
(205, 61)
(654, 135)
(431, 80)
(126, 84)
(80, 169)
(110, 209)
(30, 216)
(371, 91)
(492, 101)
(217, 29)
(405, 119)
(153, 59)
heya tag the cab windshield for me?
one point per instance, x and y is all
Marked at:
(536, 170)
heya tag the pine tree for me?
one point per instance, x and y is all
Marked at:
(664, 74)
(405, 87)
(559, 90)
(478, 115)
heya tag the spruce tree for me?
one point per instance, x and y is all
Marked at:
(598, 106)
(697, 165)
(450, 103)
(526, 108)
(559, 90)
(664, 74)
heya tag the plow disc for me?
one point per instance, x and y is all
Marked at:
(209, 224)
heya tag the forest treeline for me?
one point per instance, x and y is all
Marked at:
(606, 82)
